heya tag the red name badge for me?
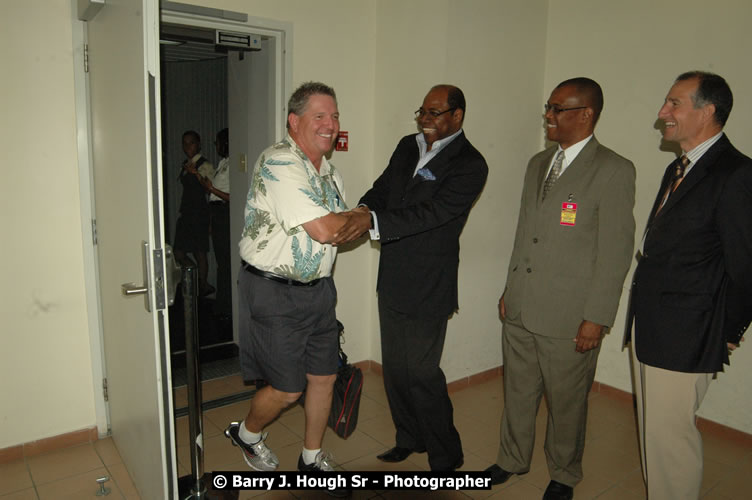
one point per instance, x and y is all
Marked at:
(568, 214)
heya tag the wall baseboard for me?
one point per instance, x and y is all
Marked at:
(90, 434)
(705, 426)
(34, 448)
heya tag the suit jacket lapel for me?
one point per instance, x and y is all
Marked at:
(439, 163)
(542, 171)
(659, 197)
(696, 174)
(409, 160)
(573, 173)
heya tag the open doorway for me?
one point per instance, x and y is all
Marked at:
(194, 97)
(209, 86)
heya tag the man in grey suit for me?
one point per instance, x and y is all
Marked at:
(572, 250)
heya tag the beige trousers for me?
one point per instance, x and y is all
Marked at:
(670, 444)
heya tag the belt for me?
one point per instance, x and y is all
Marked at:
(276, 277)
(220, 203)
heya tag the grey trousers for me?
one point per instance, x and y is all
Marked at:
(537, 366)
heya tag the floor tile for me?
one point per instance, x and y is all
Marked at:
(519, 490)
(107, 451)
(618, 493)
(120, 475)
(14, 476)
(28, 494)
(79, 487)
(63, 463)
(611, 461)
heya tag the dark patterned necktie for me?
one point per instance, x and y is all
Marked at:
(680, 166)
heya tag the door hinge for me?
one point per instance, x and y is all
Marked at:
(86, 58)
(104, 390)
(94, 231)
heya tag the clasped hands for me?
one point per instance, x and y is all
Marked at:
(358, 221)
(589, 334)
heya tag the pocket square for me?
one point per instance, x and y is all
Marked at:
(426, 174)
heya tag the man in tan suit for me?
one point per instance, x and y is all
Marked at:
(574, 243)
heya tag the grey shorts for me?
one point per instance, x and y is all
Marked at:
(286, 331)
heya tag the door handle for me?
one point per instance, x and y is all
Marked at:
(130, 289)
(133, 289)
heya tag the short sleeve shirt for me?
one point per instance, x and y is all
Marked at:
(286, 192)
(221, 179)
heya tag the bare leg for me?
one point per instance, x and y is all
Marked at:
(266, 405)
(318, 403)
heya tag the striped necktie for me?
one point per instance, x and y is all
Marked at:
(680, 166)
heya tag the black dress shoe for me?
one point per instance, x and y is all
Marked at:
(396, 454)
(498, 475)
(558, 491)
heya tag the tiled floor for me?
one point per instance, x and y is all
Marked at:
(611, 462)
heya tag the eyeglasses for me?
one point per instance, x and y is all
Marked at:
(420, 112)
(556, 109)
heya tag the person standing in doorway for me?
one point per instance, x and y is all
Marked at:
(192, 227)
(219, 211)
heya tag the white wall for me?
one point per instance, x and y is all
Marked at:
(494, 52)
(45, 364)
(635, 50)
(381, 57)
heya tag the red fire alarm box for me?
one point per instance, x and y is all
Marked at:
(342, 141)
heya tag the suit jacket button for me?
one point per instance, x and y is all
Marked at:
(529, 270)
(535, 240)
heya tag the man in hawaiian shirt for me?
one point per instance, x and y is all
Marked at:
(288, 329)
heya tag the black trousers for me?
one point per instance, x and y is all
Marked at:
(416, 387)
(220, 232)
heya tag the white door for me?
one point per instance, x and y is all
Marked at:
(125, 126)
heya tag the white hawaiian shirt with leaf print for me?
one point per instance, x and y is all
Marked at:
(286, 192)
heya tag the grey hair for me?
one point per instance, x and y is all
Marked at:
(299, 99)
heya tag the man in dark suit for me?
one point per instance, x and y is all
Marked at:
(692, 289)
(574, 242)
(418, 207)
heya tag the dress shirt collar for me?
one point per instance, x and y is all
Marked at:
(696, 153)
(437, 145)
(570, 154)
